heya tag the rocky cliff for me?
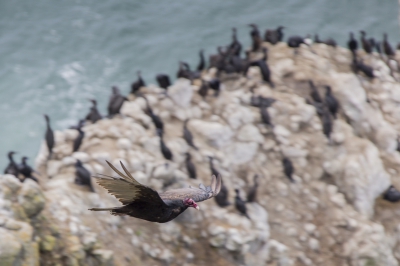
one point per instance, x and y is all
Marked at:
(332, 214)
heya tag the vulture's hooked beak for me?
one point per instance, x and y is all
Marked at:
(197, 208)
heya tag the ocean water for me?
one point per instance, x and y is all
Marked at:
(54, 55)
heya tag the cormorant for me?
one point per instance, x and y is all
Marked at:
(12, 167)
(166, 152)
(163, 81)
(116, 101)
(314, 92)
(135, 87)
(255, 36)
(94, 115)
(82, 176)
(222, 198)
(352, 44)
(78, 140)
(252, 193)
(265, 115)
(329, 42)
(331, 102)
(327, 124)
(235, 47)
(26, 170)
(212, 168)
(366, 44)
(158, 123)
(190, 167)
(203, 91)
(187, 135)
(49, 136)
(184, 71)
(392, 194)
(358, 65)
(295, 41)
(202, 62)
(258, 101)
(240, 204)
(387, 48)
(214, 84)
(288, 168)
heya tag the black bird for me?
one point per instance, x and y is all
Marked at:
(190, 167)
(265, 71)
(255, 37)
(187, 135)
(79, 139)
(279, 33)
(202, 62)
(295, 41)
(314, 92)
(144, 203)
(258, 101)
(329, 42)
(265, 115)
(49, 136)
(352, 44)
(116, 101)
(184, 71)
(327, 124)
(288, 168)
(318, 106)
(274, 36)
(135, 87)
(203, 91)
(26, 170)
(358, 65)
(392, 194)
(158, 123)
(366, 44)
(166, 152)
(82, 176)
(163, 81)
(241, 205)
(222, 198)
(252, 193)
(215, 84)
(12, 167)
(378, 47)
(387, 48)
(331, 102)
(212, 168)
(235, 47)
(94, 115)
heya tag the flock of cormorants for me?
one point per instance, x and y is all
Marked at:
(228, 60)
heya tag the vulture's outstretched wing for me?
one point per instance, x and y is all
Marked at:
(127, 190)
(197, 194)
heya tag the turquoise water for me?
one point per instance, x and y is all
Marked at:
(56, 54)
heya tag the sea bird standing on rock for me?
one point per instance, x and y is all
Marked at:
(26, 170)
(222, 198)
(82, 176)
(314, 92)
(295, 41)
(116, 101)
(327, 123)
(158, 123)
(265, 117)
(78, 140)
(329, 42)
(202, 62)
(190, 167)
(366, 44)
(387, 48)
(49, 136)
(240, 204)
(255, 37)
(12, 167)
(235, 47)
(288, 168)
(331, 102)
(135, 87)
(391, 194)
(252, 193)
(166, 152)
(94, 115)
(163, 81)
(187, 135)
(203, 90)
(215, 84)
(142, 202)
(352, 44)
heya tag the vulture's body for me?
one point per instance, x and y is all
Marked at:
(145, 203)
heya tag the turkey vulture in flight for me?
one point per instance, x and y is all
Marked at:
(145, 203)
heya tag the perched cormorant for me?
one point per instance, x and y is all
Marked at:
(212, 168)
(255, 37)
(82, 176)
(392, 194)
(331, 102)
(288, 168)
(387, 48)
(116, 101)
(330, 41)
(265, 115)
(203, 91)
(366, 44)
(202, 62)
(190, 167)
(26, 170)
(327, 124)
(264, 69)
(252, 193)
(240, 204)
(314, 92)
(49, 136)
(352, 44)
(158, 123)
(319, 107)
(222, 198)
(94, 115)
(274, 36)
(135, 87)
(295, 41)
(235, 47)
(187, 135)
(358, 65)
(79, 139)
(184, 71)
(12, 167)
(166, 152)
(258, 101)
(163, 81)
(215, 84)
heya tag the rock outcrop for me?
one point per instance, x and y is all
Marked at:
(332, 214)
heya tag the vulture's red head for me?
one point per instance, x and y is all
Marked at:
(191, 203)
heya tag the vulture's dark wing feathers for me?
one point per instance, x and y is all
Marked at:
(197, 194)
(127, 190)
